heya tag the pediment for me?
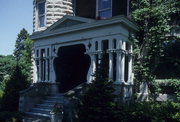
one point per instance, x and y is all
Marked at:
(68, 21)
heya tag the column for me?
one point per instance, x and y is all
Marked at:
(130, 67)
(122, 62)
(52, 70)
(34, 66)
(110, 60)
(100, 53)
(92, 69)
(46, 60)
(118, 67)
(93, 65)
(40, 66)
(110, 65)
(118, 62)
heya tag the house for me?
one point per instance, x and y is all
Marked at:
(69, 38)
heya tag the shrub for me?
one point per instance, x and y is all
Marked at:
(147, 112)
(16, 83)
(98, 100)
(169, 86)
(10, 117)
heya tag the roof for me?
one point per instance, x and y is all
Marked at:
(74, 23)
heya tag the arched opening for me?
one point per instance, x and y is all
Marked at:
(71, 66)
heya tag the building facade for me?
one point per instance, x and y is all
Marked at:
(70, 38)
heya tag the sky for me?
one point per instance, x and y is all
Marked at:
(14, 16)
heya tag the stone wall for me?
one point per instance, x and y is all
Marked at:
(54, 10)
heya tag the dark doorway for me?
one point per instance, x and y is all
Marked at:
(71, 66)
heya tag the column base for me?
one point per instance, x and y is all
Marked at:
(123, 91)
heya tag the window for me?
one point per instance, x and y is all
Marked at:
(41, 14)
(104, 8)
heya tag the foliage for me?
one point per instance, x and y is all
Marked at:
(3, 85)
(153, 18)
(22, 53)
(168, 86)
(169, 64)
(6, 64)
(22, 36)
(10, 116)
(25, 60)
(16, 83)
(147, 112)
(56, 109)
(98, 100)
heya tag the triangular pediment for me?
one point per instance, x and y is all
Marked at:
(68, 21)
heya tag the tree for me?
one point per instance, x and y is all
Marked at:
(153, 18)
(19, 46)
(6, 65)
(25, 60)
(22, 53)
(97, 102)
(16, 83)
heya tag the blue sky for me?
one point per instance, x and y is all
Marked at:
(14, 15)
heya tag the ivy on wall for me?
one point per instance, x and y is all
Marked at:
(153, 18)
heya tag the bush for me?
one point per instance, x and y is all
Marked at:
(16, 83)
(169, 86)
(10, 117)
(147, 112)
(98, 100)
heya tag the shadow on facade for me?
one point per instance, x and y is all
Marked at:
(71, 66)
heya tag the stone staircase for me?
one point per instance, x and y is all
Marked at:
(42, 110)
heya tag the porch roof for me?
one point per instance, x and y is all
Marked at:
(74, 23)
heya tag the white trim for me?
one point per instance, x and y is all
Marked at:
(92, 24)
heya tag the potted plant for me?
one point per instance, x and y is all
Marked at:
(56, 113)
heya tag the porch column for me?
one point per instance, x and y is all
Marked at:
(52, 70)
(93, 65)
(130, 65)
(118, 62)
(47, 64)
(40, 66)
(34, 66)
(122, 62)
(118, 67)
(99, 51)
(110, 51)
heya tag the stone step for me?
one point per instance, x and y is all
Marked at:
(54, 98)
(41, 110)
(50, 102)
(37, 114)
(45, 106)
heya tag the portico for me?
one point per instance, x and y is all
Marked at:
(109, 37)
